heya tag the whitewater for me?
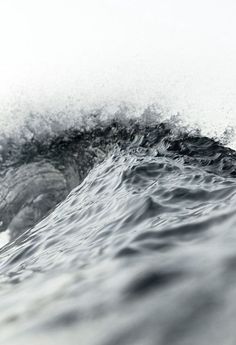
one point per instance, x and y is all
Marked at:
(117, 172)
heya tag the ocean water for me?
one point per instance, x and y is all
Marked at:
(117, 172)
(122, 234)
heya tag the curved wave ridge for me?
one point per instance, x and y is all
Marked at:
(126, 230)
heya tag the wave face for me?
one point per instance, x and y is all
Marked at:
(121, 234)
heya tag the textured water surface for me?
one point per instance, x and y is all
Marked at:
(121, 234)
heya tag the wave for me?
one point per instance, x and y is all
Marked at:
(124, 228)
(37, 175)
(117, 173)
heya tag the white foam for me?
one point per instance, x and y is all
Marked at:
(4, 238)
(60, 56)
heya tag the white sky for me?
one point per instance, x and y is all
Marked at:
(179, 53)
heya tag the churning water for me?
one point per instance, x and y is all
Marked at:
(117, 172)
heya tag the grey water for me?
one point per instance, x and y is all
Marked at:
(119, 234)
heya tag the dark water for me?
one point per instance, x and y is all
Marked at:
(122, 234)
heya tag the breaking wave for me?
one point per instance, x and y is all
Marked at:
(120, 233)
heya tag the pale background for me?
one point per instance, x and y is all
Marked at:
(58, 56)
